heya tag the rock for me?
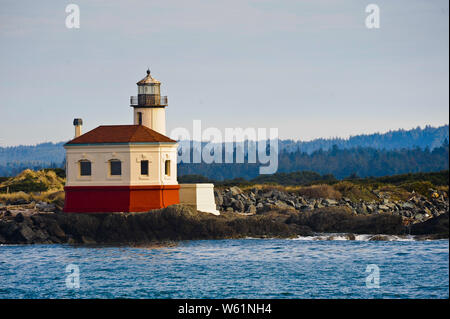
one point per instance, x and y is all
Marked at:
(329, 202)
(306, 208)
(24, 233)
(408, 205)
(87, 240)
(267, 194)
(238, 206)
(40, 235)
(251, 209)
(361, 209)
(437, 225)
(350, 236)
(219, 198)
(379, 237)
(290, 203)
(235, 190)
(229, 209)
(8, 228)
(55, 230)
(227, 201)
(19, 218)
(282, 205)
(383, 207)
(318, 205)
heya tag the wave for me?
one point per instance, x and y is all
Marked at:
(357, 237)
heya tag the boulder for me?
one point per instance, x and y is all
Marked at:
(379, 238)
(282, 205)
(408, 205)
(238, 206)
(219, 198)
(55, 230)
(251, 209)
(24, 234)
(329, 202)
(19, 218)
(235, 190)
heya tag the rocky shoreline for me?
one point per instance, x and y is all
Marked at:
(416, 209)
(42, 224)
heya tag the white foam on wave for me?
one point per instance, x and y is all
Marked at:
(364, 237)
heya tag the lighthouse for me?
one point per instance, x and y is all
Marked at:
(124, 168)
(149, 106)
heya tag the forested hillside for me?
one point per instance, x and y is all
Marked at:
(341, 163)
(395, 152)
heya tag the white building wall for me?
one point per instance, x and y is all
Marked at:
(199, 196)
(130, 157)
(153, 118)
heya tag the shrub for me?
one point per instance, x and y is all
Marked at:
(355, 192)
(418, 187)
(319, 191)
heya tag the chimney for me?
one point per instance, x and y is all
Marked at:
(77, 123)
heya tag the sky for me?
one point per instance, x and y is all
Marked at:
(309, 68)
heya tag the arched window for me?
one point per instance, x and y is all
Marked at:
(167, 168)
(115, 167)
(85, 168)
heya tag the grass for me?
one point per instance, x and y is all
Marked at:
(33, 181)
(319, 191)
(52, 196)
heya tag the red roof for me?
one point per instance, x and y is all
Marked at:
(120, 134)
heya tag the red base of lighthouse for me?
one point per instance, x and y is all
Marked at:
(107, 199)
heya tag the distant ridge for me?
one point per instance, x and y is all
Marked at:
(14, 159)
(429, 136)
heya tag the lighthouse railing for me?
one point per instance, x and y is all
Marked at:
(148, 100)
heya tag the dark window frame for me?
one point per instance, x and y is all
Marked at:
(85, 170)
(144, 167)
(115, 167)
(167, 168)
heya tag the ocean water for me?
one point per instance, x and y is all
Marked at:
(246, 268)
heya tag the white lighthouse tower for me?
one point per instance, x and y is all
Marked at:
(149, 106)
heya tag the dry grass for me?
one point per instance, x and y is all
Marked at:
(319, 191)
(14, 197)
(33, 181)
(355, 192)
(394, 193)
(55, 197)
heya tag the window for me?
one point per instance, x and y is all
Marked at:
(115, 167)
(85, 168)
(167, 168)
(144, 167)
(139, 118)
